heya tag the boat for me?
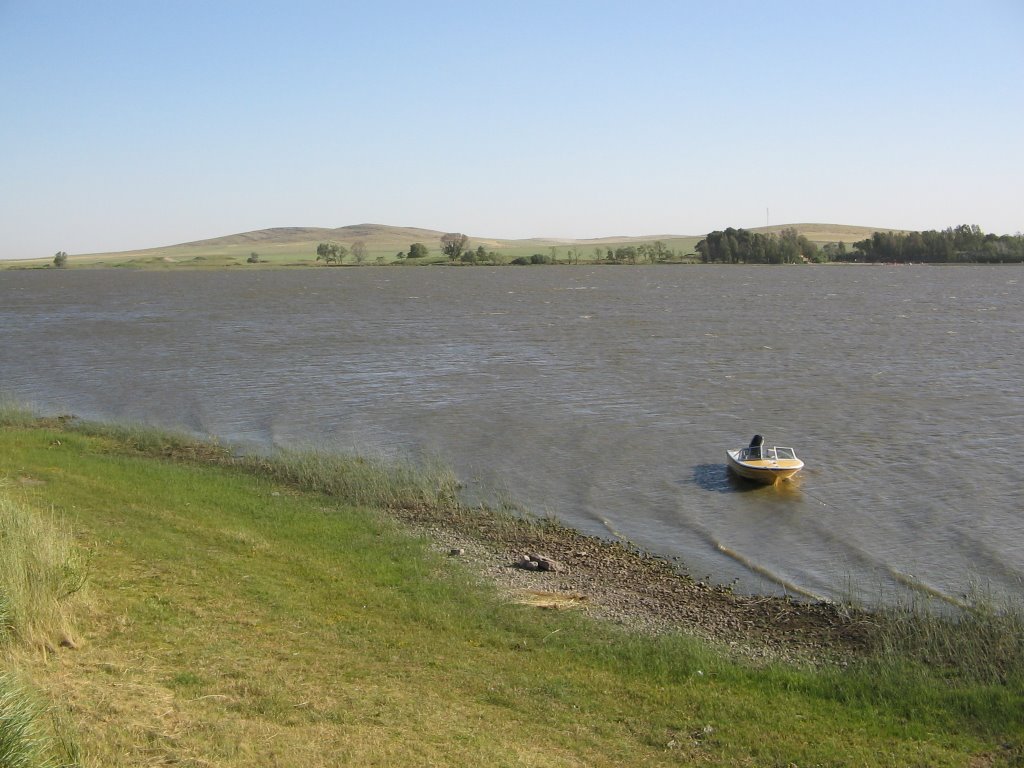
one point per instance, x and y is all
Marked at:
(764, 464)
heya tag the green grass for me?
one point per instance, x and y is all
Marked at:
(241, 619)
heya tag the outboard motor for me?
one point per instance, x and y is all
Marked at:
(754, 451)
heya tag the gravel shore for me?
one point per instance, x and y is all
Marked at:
(639, 591)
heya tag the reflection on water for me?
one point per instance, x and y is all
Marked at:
(719, 478)
(606, 396)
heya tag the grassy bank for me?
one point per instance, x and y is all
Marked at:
(252, 614)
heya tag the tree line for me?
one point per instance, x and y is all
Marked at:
(963, 244)
(966, 243)
(335, 253)
(454, 245)
(741, 246)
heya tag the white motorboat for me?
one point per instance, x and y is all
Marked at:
(764, 464)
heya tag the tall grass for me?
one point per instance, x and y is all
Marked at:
(363, 481)
(13, 413)
(41, 569)
(154, 441)
(28, 739)
(981, 643)
(359, 480)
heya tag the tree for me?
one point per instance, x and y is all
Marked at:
(626, 253)
(60, 259)
(832, 252)
(418, 251)
(789, 247)
(453, 244)
(359, 251)
(331, 253)
(740, 246)
(254, 258)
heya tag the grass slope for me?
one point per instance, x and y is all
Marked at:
(237, 620)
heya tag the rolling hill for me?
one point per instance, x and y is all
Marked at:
(297, 245)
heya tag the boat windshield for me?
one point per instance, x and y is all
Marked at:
(764, 452)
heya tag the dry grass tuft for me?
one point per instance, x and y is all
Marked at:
(41, 571)
(549, 600)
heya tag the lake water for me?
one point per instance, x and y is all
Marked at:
(605, 396)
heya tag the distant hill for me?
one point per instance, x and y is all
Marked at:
(371, 234)
(827, 233)
(380, 234)
(297, 245)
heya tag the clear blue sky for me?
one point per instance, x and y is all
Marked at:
(134, 124)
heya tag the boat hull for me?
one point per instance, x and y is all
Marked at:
(766, 471)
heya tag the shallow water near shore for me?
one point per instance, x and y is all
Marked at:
(605, 396)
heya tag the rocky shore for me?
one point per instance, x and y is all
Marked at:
(639, 591)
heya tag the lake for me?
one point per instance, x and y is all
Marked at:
(605, 396)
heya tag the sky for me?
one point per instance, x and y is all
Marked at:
(135, 124)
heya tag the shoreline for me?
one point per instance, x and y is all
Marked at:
(639, 591)
(612, 581)
(235, 591)
(605, 578)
